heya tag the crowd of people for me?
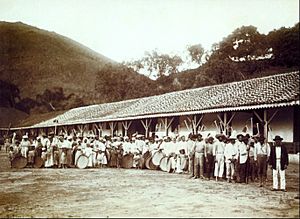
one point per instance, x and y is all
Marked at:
(241, 158)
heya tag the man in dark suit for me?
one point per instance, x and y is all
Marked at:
(279, 161)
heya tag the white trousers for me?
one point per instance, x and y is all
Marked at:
(219, 165)
(229, 170)
(24, 151)
(275, 176)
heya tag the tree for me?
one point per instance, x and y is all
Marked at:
(245, 44)
(157, 64)
(8, 94)
(118, 82)
(196, 52)
(26, 105)
(285, 46)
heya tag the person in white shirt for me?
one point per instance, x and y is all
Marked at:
(199, 157)
(261, 156)
(50, 152)
(66, 145)
(279, 160)
(25, 143)
(127, 146)
(230, 154)
(153, 146)
(242, 158)
(101, 157)
(218, 153)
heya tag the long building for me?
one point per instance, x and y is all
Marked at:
(267, 105)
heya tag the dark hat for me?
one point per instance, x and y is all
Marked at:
(277, 137)
(220, 136)
(210, 138)
(238, 135)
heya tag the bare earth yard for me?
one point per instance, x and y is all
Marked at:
(137, 193)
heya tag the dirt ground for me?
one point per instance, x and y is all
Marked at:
(137, 193)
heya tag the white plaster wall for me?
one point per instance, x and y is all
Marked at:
(105, 132)
(208, 122)
(282, 124)
(119, 128)
(240, 120)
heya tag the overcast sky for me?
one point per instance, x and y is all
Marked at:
(124, 29)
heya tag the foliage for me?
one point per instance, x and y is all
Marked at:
(9, 93)
(285, 44)
(196, 52)
(117, 82)
(157, 64)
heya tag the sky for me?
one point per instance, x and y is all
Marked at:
(124, 29)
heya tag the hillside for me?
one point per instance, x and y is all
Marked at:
(11, 117)
(42, 73)
(34, 60)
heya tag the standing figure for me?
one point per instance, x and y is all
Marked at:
(279, 160)
(261, 156)
(242, 158)
(50, 150)
(199, 157)
(190, 146)
(218, 153)
(252, 163)
(209, 158)
(230, 154)
(25, 143)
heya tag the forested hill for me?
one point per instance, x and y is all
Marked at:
(42, 71)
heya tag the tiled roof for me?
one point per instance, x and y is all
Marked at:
(277, 89)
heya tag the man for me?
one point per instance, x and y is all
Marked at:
(25, 143)
(218, 153)
(230, 154)
(279, 161)
(209, 158)
(261, 156)
(127, 146)
(31, 155)
(242, 157)
(199, 157)
(251, 161)
(102, 156)
(50, 150)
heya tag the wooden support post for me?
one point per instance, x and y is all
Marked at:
(272, 116)
(112, 126)
(146, 125)
(126, 126)
(225, 124)
(265, 125)
(187, 126)
(196, 123)
(100, 129)
(259, 118)
(251, 125)
(167, 124)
